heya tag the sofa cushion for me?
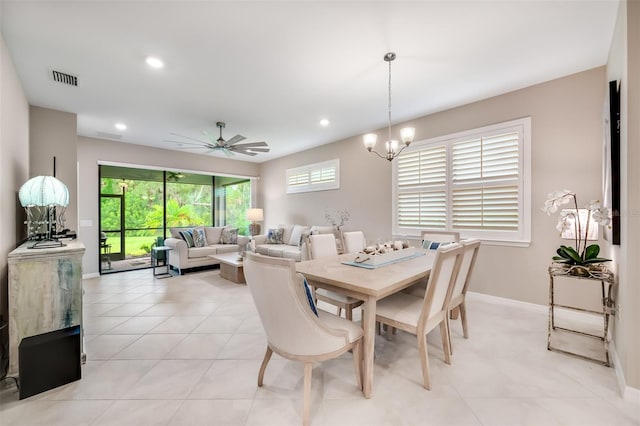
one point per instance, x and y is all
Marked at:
(229, 236)
(199, 238)
(434, 245)
(195, 252)
(213, 234)
(291, 252)
(286, 234)
(226, 248)
(174, 232)
(296, 235)
(274, 236)
(263, 249)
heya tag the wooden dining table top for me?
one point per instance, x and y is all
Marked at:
(377, 282)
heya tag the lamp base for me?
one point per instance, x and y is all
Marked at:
(254, 229)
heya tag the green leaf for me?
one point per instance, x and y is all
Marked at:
(570, 253)
(596, 260)
(560, 259)
(591, 252)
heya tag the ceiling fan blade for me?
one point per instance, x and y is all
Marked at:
(235, 139)
(246, 152)
(251, 145)
(256, 149)
(185, 143)
(209, 136)
(189, 137)
(227, 152)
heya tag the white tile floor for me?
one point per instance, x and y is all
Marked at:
(186, 351)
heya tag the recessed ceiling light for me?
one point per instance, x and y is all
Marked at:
(154, 62)
(324, 122)
(121, 126)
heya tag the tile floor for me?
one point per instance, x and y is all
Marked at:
(186, 351)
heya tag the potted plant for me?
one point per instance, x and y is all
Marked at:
(581, 256)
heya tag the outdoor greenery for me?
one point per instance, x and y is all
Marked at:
(189, 203)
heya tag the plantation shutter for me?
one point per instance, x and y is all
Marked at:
(485, 183)
(422, 198)
(314, 177)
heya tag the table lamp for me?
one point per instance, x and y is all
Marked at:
(255, 215)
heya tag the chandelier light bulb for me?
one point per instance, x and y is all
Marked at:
(370, 140)
(407, 134)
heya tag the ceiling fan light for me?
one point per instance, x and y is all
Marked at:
(369, 140)
(407, 134)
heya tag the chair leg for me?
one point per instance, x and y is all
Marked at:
(446, 318)
(263, 367)
(348, 313)
(339, 311)
(378, 328)
(306, 403)
(357, 362)
(453, 314)
(444, 334)
(463, 317)
(424, 359)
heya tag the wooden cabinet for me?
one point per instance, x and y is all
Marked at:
(45, 292)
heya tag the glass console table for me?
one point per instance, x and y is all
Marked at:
(594, 275)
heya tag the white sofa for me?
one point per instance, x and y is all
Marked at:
(294, 243)
(183, 257)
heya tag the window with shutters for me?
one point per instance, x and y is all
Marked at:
(476, 182)
(314, 177)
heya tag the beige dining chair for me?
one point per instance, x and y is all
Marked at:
(432, 238)
(354, 241)
(292, 328)
(459, 293)
(324, 245)
(421, 315)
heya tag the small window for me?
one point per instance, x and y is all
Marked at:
(314, 177)
(475, 182)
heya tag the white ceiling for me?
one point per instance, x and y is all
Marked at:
(272, 69)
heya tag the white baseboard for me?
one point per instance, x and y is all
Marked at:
(92, 275)
(628, 393)
(506, 301)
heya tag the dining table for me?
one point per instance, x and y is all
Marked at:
(369, 284)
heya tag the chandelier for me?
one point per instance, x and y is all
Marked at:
(406, 134)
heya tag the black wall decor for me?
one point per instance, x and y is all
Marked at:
(614, 129)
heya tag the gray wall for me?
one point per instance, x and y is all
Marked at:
(54, 134)
(14, 168)
(566, 153)
(91, 151)
(624, 65)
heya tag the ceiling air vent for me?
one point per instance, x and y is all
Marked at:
(65, 78)
(107, 135)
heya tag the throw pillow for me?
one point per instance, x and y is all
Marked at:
(187, 236)
(433, 245)
(307, 291)
(274, 236)
(199, 238)
(229, 236)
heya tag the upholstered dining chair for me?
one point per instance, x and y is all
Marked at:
(354, 241)
(459, 292)
(421, 315)
(324, 245)
(432, 239)
(294, 329)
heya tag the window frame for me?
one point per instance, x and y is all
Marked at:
(309, 169)
(519, 238)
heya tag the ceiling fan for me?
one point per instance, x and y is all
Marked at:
(220, 144)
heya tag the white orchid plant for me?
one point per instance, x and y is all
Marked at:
(582, 254)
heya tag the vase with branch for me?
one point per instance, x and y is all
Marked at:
(570, 219)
